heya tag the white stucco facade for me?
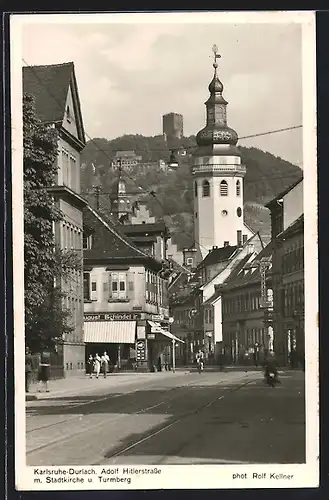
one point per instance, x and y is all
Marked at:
(218, 208)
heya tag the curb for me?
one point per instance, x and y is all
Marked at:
(30, 397)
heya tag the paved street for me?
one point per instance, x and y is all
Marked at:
(166, 418)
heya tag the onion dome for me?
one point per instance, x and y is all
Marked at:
(216, 130)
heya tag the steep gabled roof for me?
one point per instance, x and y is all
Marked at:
(217, 255)
(235, 254)
(141, 229)
(295, 226)
(110, 244)
(250, 272)
(49, 84)
(235, 272)
(283, 193)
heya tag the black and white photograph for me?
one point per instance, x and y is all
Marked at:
(165, 250)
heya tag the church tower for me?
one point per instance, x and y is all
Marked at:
(121, 207)
(218, 178)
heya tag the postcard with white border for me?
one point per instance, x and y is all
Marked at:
(165, 250)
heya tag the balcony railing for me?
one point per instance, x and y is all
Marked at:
(231, 167)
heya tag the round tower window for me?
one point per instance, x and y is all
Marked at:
(224, 212)
(239, 212)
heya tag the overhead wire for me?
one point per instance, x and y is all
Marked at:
(149, 192)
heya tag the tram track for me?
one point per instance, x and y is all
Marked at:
(134, 444)
(80, 416)
(92, 402)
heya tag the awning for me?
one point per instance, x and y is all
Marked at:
(110, 332)
(157, 328)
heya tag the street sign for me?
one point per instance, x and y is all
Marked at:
(140, 350)
(140, 345)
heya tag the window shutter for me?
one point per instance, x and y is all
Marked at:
(130, 284)
(94, 290)
(110, 285)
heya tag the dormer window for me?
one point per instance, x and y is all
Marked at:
(68, 114)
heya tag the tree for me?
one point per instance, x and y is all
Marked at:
(44, 265)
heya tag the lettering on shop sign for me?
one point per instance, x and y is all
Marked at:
(112, 317)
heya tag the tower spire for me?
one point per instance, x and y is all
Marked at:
(216, 56)
(216, 131)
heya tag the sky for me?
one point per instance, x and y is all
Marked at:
(131, 73)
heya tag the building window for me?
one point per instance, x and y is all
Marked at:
(196, 189)
(238, 188)
(189, 261)
(66, 168)
(73, 174)
(239, 211)
(205, 189)
(122, 187)
(86, 286)
(118, 287)
(87, 242)
(223, 188)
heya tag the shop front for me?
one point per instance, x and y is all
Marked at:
(114, 333)
(162, 346)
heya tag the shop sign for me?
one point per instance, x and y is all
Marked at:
(157, 317)
(112, 317)
(140, 350)
(151, 336)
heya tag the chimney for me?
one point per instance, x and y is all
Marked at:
(226, 243)
(239, 238)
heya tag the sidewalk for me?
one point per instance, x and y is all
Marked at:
(82, 383)
(78, 384)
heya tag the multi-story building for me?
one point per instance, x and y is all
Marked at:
(127, 160)
(55, 90)
(291, 254)
(126, 309)
(247, 309)
(288, 271)
(172, 126)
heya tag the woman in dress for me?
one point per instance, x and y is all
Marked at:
(44, 372)
(97, 365)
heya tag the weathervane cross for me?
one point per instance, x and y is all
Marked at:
(216, 54)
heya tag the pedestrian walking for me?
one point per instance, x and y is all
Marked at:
(28, 372)
(97, 365)
(44, 373)
(105, 363)
(90, 366)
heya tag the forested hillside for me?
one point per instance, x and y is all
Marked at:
(267, 175)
